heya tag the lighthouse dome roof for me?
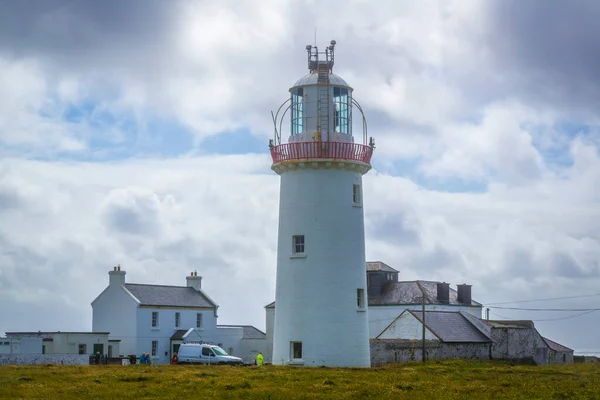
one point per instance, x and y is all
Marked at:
(311, 79)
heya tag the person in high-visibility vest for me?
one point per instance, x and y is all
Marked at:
(260, 359)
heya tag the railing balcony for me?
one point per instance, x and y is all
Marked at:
(321, 150)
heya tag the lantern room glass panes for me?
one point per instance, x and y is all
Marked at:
(341, 110)
(297, 111)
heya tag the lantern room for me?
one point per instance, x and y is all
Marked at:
(320, 110)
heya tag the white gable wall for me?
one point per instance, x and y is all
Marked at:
(381, 316)
(407, 327)
(114, 311)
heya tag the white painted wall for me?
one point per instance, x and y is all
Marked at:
(381, 316)
(166, 328)
(316, 295)
(21, 345)
(407, 327)
(114, 311)
(270, 320)
(66, 343)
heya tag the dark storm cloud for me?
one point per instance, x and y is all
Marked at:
(550, 49)
(83, 31)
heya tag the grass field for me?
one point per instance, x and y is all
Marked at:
(432, 380)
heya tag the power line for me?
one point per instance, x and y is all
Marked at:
(545, 309)
(548, 319)
(547, 299)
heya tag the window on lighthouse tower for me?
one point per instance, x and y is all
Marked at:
(297, 111)
(356, 194)
(298, 244)
(341, 108)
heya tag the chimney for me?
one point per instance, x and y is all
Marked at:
(116, 276)
(443, 292)
(194, 281)
(464, 293)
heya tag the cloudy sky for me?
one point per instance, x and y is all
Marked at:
(135, 133)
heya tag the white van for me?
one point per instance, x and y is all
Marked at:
(205, 354)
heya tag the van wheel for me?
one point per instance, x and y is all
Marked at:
(222, 363)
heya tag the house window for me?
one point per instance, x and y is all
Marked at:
(155, 319)
(199, 320)
(296, 348)
(356, 194)
(83, 348)
(177, 319)
(298, 244)
(360, 298)
(154, 347)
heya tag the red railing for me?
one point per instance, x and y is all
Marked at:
(316, 150)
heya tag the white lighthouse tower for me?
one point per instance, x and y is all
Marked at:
(320, 302)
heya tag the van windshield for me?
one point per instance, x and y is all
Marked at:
(219, 351)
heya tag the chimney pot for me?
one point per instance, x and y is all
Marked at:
(194, 281)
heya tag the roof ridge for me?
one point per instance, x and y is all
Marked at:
(152, 284)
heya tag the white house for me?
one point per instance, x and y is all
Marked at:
(389, 297)
(156, 319)
(144, 317)
(67, 342)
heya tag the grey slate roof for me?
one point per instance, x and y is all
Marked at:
(249, 332)
(409, 292)
(556, 346)
(379, 266)
(169, 296)
(451, 327)
(514, 324)
(178, 335)
(270, 305)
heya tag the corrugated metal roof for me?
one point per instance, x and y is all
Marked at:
(249, 332)
(173, 296)
(409, 292)
(556, 346)
(311, 79)
(451, 326)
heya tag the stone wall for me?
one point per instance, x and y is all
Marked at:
(386, 351)
(32, 359)
(519, 344)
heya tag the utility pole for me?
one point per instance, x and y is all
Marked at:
(423, 338)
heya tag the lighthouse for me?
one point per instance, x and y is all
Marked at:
(320, 300)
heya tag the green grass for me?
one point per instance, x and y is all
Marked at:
(432, 380)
